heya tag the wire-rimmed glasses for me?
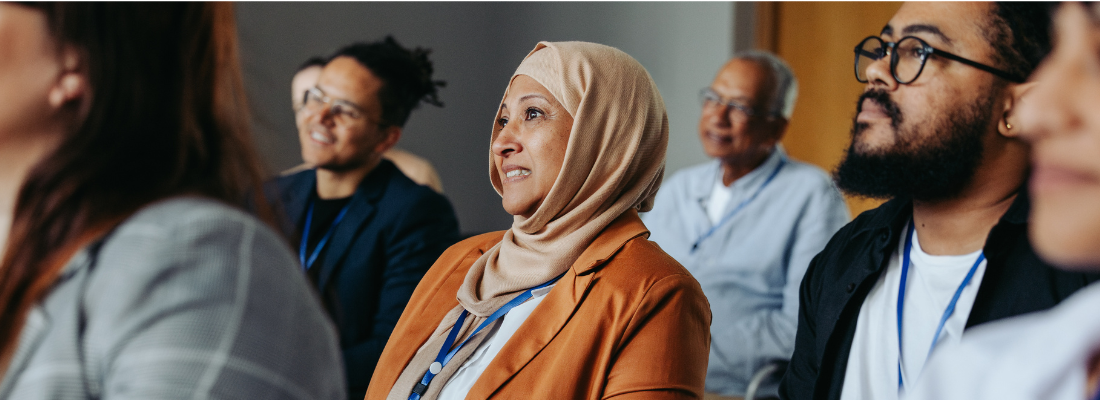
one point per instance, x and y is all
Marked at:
(343, 112)
(710, 98)
(907, 58)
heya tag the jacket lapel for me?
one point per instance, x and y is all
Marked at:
(295, 200)
(34, 330)
(361, 208)
(430, 310)
(558, 307)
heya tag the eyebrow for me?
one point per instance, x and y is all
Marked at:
(533, 95)
(921, 28)
(525, 98)
(918, 28)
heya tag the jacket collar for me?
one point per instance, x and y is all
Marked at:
(702, 189)
(361, 208)
(546, 322)
(893, 215)
(38, 321)
(610, 241)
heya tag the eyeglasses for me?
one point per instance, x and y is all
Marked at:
(343, 112)
(907, 59)
(711, 99)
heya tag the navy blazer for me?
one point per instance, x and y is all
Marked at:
(839, 279)
(393, 232)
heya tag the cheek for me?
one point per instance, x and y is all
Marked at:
(300, 122)
(357, 140)
(555, 154)
(25, 81)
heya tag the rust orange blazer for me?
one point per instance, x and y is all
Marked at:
(626, 321)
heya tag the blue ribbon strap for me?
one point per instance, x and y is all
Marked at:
(740, 206)
(445, 356)
(307, 263)
(950, 306)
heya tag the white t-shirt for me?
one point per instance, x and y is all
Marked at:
(719, 197)
(463, 379)
(872, 371)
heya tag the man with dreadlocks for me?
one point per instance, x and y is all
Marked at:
(364, 232)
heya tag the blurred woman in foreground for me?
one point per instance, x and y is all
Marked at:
(572, 302)
(126, 270)
(1053, 354)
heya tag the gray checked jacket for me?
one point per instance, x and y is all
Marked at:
(186, 299)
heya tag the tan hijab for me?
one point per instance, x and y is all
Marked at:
(614, 162)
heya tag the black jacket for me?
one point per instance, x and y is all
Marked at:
(393, 232)
(840, 277)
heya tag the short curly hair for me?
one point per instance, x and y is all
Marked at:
(1020, 35)
(406, 76)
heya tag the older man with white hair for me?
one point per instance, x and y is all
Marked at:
(748, 223)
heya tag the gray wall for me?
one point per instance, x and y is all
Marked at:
(476, 47)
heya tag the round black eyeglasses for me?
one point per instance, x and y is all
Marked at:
(907, 58)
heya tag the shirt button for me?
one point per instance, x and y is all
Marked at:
(851, 287)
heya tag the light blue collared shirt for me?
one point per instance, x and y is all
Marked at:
(751, 267)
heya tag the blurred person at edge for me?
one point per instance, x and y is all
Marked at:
(748, 223)
(934, 132)
(365, 233)
(1055, 354)
(128, 269)
(572, 302)
(417, 168)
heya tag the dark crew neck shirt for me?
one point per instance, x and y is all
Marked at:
(324, 214)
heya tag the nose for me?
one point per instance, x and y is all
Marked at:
(1051, 107)
(505, 144)
(321, 113)
(879, 76)
(717, 114)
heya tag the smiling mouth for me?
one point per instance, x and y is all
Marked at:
(517, 172)
(318, 136)
(719, 138)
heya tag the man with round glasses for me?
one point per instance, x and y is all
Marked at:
(365, 233)
(934, 133)
(747, 224)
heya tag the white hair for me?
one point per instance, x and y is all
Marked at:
(786, 85)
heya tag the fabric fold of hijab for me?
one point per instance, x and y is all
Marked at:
(614, 162)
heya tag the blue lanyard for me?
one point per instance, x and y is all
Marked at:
(950, 306)
(739, 207)
(306, 263)
(444, 356)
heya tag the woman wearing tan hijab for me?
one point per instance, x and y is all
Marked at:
(572, 302)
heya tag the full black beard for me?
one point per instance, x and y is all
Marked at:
(925, 167)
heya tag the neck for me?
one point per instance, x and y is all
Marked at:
(16, 161)
(333, 184)
(735, 168)
(962, 224)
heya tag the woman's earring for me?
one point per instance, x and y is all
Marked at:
(1008, 125)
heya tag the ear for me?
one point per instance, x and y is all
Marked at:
(778, 127)
(392, 135)
(72, 83)
(1007, 125)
